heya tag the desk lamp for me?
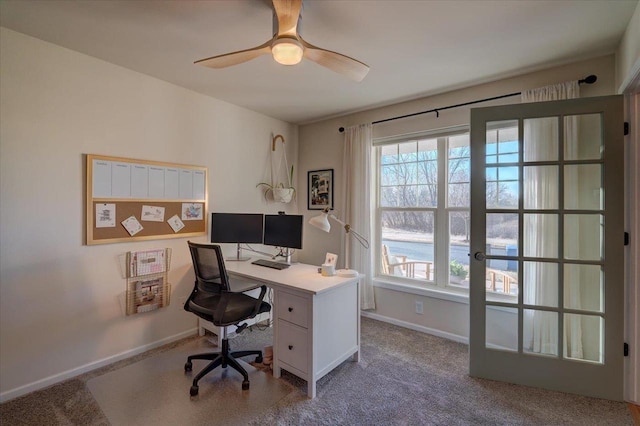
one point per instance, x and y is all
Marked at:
(322, 222)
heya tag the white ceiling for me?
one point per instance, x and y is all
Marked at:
(414, 48)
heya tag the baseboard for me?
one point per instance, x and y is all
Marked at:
(420, 328)
(57, 378)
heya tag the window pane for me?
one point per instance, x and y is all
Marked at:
(502, 328)
(501, 276)
(583, 187)
(502, 234)
(459, 234)
(408, 151)
(427, 195)
(583, 337)
(407, 244)
(540, 332)
(459, 195)
(389, 175)
(540, 139)
(583, 236)
(389, 196)
(583, 287)
(540, 284)
(583, 137)
(428, 149)
(428, 172)
(540, 236)
(389, 154)
(502, 187)
(502, 139)
(541, 187)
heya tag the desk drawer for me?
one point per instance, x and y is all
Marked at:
(293, 345)
(292, 308)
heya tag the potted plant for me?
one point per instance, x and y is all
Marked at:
(279, 192)
(457, 272)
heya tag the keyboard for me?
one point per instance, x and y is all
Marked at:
(270, 264)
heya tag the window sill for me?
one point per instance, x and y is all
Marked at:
(435, 293)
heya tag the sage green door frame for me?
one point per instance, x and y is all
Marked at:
(603, 379)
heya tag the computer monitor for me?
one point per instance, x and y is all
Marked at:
(237, 228)
(284, 231)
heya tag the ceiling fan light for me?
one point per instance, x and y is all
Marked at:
(287, 51)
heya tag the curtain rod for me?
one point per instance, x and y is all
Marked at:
(587, 80)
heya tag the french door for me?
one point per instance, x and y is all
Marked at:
(547, 232)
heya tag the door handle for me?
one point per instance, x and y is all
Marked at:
(479, 256)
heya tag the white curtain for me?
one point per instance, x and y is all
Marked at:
(357, 198)
(541, 140)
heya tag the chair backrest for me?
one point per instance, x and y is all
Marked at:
(208, 265)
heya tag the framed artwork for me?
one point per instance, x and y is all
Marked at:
(320, 189)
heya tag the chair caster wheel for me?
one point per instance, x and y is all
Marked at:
(259, 359)
(193, 391)
(187, 367)
(245, 385)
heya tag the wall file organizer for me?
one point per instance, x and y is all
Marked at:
(130, 200)
(147, 285)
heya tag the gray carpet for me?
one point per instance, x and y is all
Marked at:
(404, 378)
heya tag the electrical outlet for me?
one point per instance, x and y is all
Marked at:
(419, 307)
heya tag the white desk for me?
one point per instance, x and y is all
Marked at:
(316, 319)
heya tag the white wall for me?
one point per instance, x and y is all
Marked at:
(321, 147)
(60, 300)
(628, 53)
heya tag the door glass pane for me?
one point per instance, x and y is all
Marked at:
(540, 286)
(540, 332)
(459, 236)
(407, 244)
(502, 187)
(583, 236)
(540, 237)
(584, 337)
(583, 187)
(583, 287)
(502, 232)
(583, 137)
(502, 142)
(502, 328)
(541, 187)
(540, 139)
(501, 277)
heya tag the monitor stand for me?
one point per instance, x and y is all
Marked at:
(238, 257)
(287, 255)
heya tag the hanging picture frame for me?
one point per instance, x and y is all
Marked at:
(320, 189)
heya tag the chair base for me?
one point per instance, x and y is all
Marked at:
(223, 358)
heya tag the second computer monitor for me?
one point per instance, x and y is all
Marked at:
(236, 227)
(282, 230)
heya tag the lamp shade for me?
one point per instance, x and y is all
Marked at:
(321, 222)
(287, 51)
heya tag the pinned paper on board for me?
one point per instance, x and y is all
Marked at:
(105, 215)
(192, 211)
(175, 223)
(152, 213)
(132, 225)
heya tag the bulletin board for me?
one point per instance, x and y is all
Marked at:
(133, 200)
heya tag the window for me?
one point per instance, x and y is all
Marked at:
(422, 208)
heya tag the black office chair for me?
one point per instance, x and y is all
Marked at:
(213, 300)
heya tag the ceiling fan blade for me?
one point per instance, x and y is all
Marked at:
(234, 58)
(288, 12)
(337, 62)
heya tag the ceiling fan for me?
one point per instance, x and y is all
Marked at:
(288, 48)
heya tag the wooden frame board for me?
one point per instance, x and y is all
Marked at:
(167, 200)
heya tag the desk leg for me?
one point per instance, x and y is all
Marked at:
(276, 367)
(311, 389)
